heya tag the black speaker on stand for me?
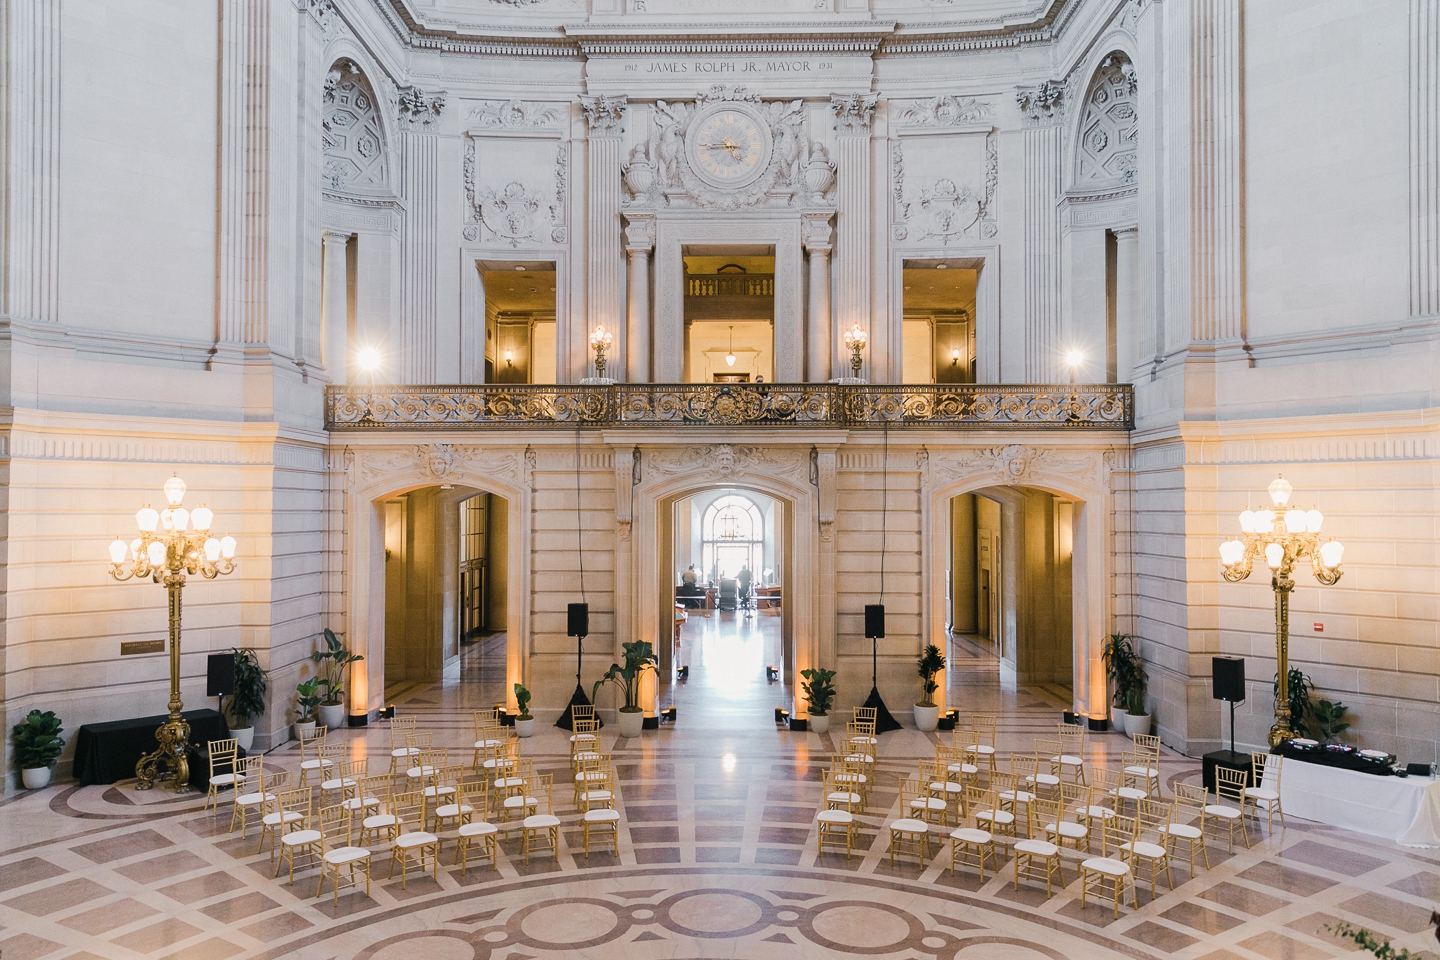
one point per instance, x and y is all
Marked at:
(577, 625)
(875, 630)
(220, 678)
(1227, 682)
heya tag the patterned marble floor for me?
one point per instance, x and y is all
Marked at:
(717, 860)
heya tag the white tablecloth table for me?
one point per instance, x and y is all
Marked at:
(1403, 809)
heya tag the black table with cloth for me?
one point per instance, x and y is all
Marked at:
(107, 752)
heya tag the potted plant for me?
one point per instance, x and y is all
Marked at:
(38, 745)
(307, 697)
(819, 690)
(1124, 668)
(333, 660)
(930, 663)
(524, 723)
(639, 656)
(248, 700)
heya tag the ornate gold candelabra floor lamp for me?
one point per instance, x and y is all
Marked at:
(1281, 537)
(172, 544)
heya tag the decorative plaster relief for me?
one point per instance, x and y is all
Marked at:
(515, 115)
(727, 462)
(659, 170)
(605, 115)
(516, 213)
(946, 111)
(351, 139)
(854, 112)
(1017, 464)
(442, 462)
(1109, 127)
(1043, 104)
(944, 210)
(415, 107)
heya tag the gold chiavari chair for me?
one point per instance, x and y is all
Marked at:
(840, 796)
(1048, 751)
(301, 840)
(480, 833)
(1106, 875)
(861, 745)
(584, 742)
(1187, 824)
(602, 823)
(1034, 774)
(599, 792)
(909, 837)
(971, 843)
(1229, 785)
(410, 810)
(1010, 788)
(312, 763)
(521, 795)
(1073, 824)
(935, 775)
(1152, 817)
(382, 824)
(367, 797)
(425, 765)
(591, 770)
(337, 853)
(870, 715)
(459, 808)
(343, 779)
(837, 828)
(1037, 859)
(540, 830)
(402, 729)
(1141, 767)
(1071, 758)
(1263, 792)
(511, 784)
(917, 803)
(852, 774)
(498, 762)
(984, 807)
(285, 810)
(981, 738)
(252, 780)
(224, 770)
(1112, 783)
(490, 738)
(440, 788)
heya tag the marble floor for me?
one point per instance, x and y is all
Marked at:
(717, 860)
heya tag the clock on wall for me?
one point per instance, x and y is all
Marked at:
(729, 145)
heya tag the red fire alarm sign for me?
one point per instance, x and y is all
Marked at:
(1319, 628)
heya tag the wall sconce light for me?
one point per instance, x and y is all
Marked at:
(600, 338)
(955, 357)
(509, 358)
(855, 339)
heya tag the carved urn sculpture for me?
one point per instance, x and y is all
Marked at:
(639, 172)
(819, 172)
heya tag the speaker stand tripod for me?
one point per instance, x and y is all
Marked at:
(578, 698)
(884, 722)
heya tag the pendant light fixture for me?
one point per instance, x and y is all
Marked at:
(730, 356)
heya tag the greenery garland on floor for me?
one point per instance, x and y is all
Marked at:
(1366, 940)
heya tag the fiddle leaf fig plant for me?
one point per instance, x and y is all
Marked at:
(819, 690)
(638, 655)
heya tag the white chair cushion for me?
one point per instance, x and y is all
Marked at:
(487, 744)
(226, 779)
(515, 803)
(928, 803)
(1142, 771)
(842, 797)
(346, 855)
(453, 810)
(1142, 848)
(433, 792)
(1182, 830)
(996, 816)
(835, 816)
(275, 819)
(981, 749)
(947, 786)
(1095, 812)
(1039, 848)
(1216, 810)
(405, 752)
(481, 829)
(1018, 796)
(337, 783)
(541, 821)
(423, 771)
(1067, 760)
(597, 796)
(504, 783)
(971, 835)
(1073, 831)
(360, 803)
(1131, 793)
(1046, 779)
(250, 799)
(964, 768)
(379, 820)
(1261, 793)
(300, 837)
(602, 816)
(907, 825)
(315, 764)
(1107, 866)
(408, 841)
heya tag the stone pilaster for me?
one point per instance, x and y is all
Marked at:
(1043, 112)
(639, 242)
(605, 117)
(1127, 250)
(417, 115)
(816, 235)
(1424, 158)
(854, 114)
(334, 305)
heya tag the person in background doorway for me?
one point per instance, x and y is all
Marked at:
(744, 576)
(689, 577)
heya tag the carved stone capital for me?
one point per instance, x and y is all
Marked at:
(416, 108)
(605, 115)
(816, 234)
(639, 232)
(854, 112)
(1044, 104)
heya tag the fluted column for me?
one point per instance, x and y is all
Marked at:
(419, 115)
(853, 115)
(606, 263)
(639, 241)
(1127, 252)
(1042, 109)
(1424, 158)
(30, 157)
(819, 335)
(334, 305)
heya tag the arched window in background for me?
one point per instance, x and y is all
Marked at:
(733, 535)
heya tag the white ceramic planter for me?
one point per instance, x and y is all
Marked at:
(35, 777)
(244, 736)
(332, 715)
(304, 730)
(926, 718)
(631, 722)
(524, 728)
(820, 722)
(1136, 724)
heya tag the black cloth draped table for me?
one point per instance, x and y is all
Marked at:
(107, 752)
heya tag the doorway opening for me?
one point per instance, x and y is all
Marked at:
(519, 299)
(1010, 582)
(729, 314)
(447, 586)
(727, 609)
(938, 322)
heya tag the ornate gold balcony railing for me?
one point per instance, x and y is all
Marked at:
(1104, 406)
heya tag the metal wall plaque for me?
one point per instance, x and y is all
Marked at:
(131, 647)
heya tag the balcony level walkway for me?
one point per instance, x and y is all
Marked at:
(717, 859)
